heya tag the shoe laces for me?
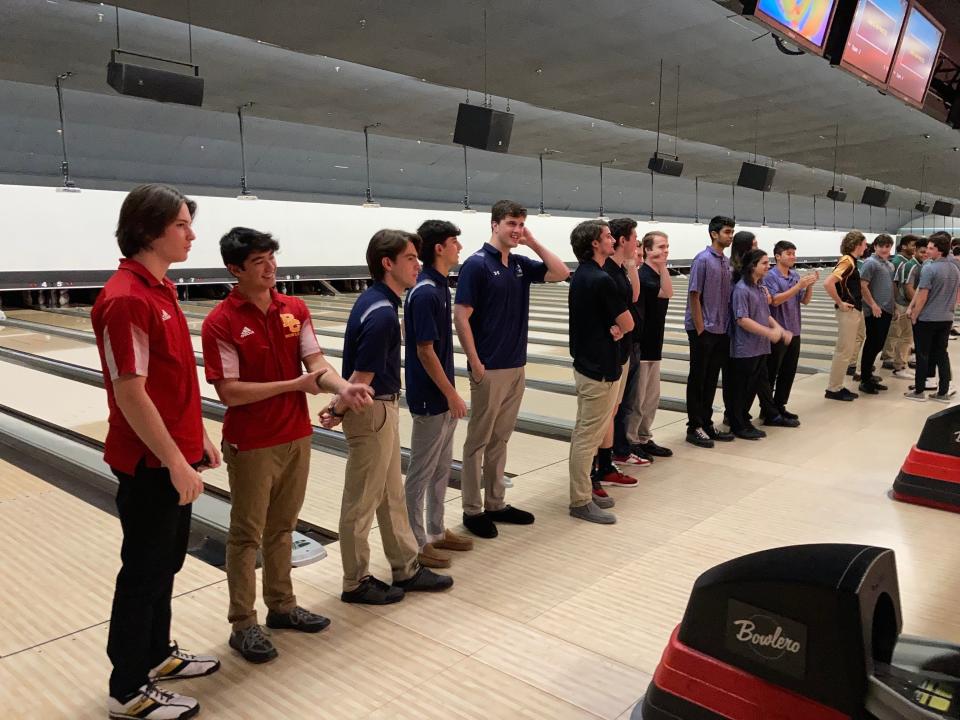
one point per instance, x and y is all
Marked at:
(176, 652)
(380, 584)
(301, 615)
(254, 637)
(154, 692)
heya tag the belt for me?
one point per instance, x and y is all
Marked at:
(392, 397)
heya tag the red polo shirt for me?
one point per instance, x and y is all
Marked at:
(241, 342)
(141, 330)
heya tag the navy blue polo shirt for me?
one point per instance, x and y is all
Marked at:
(372, 340)
(500, 298)
(426, 318)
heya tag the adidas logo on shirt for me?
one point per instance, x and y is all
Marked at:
(164, 315)
(246, 332)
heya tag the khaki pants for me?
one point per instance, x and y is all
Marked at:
(494, 406)
(646, 400)
(266, 492)
(596, 401)
(850, 325)
(899, 339)
(373, 485)
(861, 337)
(622, 382)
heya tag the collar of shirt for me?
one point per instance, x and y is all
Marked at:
(719, 255)
(384, 289)
(237, 299)
(430, 273)
(148, 277)
(495, 254)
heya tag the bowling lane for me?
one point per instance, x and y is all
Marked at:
(527, 452)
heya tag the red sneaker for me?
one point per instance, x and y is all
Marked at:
(616, 478)
(631, 459)
(599, 492)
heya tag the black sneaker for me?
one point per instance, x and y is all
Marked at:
(651, 448)
(869, 389)
(850, 394)
(425, 580)
(841, 394)
(640, 451)
(698, 437)
(789, 415)
(480, 525)
(888, 365)
(297, 619)
(718, 435)
(372, 592)
(781, 421)
(852, 371)
(511, 515)
(749, 433)
(253, 644)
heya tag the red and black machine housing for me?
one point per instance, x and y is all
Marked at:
(931, 473)
(808, 632)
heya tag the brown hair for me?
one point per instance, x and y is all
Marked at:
(650, 237)
(851, 241)
(387, 244)
(145, 214)
(506, 208)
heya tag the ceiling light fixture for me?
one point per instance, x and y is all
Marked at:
(68, 184)
(466, 185)
(835, 193)
(368, 202)
(546, 151)
(244, 192)
(601, 216)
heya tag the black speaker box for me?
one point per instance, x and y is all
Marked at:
(877, 197)
(837, 194)
(665, 166)
(483, 128)
(154, 84)
(942, 208)
(758, 177)
(922, 207)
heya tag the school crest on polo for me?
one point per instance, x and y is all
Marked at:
(291, 324)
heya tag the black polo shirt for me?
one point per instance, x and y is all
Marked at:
(372, 340)
(654, 309)
(595, 304)
(500, 297)
(426, 318)
(622, 280)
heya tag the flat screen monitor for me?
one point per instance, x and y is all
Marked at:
(873, 37)
(804, 22)
(916, 57)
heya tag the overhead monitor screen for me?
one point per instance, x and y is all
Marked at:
(806, 22)
(873, 38)
(916, 57)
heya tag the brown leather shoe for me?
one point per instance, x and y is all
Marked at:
(432, 558)
(453, 541)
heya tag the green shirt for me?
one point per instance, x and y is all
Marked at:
(901, 277)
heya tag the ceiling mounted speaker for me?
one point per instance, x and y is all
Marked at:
(941, 207)
(154, 84)
(483, 128)
(874, 196)
(665, 166)
(922, 207)
(757, 177)
(837, 194)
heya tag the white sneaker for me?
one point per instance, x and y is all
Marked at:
(903, 374)
(151, 703)
(180, 665)
(943, 397)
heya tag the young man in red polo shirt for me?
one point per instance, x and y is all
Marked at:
(155, 445)
(255, 343)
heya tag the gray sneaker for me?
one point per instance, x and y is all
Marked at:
(592, 513)
(253, 644)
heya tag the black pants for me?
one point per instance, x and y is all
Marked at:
(930, 340)
(744, 376)
(621, 445)
(709, 355)
(877, 329)
(155, 534)
(776, 379)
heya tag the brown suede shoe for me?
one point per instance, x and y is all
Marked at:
(453, 541)
(432, 558)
